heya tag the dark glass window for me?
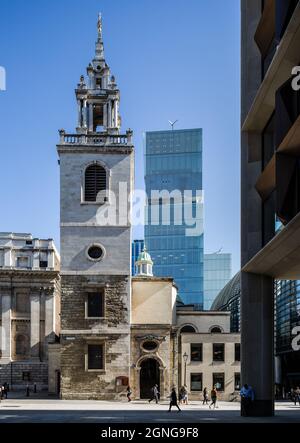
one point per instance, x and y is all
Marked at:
(95, 357)
(219, 381)
(150, 345)
(218, 352)
(237, 381)
(237, 352)
(95, 252)
(196, 351)
(95, 181)
(26, 376)
(187, 329)
(196, 382)
(216, 330)
(95, 304)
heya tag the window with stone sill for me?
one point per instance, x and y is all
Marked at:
(95, 357)
(95, 304)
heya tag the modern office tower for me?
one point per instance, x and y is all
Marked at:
(174, 165)
(270, 148)
(217, 273)
(137, 247)
(96, 249)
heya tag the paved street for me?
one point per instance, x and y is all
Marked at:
(35, 410)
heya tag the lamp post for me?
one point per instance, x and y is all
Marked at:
(185, 358)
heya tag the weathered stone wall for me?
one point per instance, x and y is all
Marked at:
(77, 331)
(12, 373)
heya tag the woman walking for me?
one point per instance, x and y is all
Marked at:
(173, 401)
(129, 392)
(205, 397)
(213, 396)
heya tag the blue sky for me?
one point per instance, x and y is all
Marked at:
(173, 59)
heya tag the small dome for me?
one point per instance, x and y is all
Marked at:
(144, 264)
(145, 257)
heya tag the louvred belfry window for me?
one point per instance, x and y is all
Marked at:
(95, 181)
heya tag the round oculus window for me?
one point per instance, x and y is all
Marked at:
(95, 252)
(150, 345)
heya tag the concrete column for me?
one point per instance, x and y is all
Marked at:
(5, 330)
(91, 117)
(257, 341)
(49, 319)
(35, 324)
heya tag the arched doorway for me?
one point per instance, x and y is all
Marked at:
(149, 376)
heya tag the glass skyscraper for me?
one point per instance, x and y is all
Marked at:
(136, 248)
(217, 273)
(173, 163)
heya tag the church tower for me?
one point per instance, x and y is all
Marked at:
(96, 180)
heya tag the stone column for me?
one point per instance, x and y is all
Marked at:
(162, 382)
(79, 113)
(91, 117)
(35, 324)
(49, 319)
(116, 112)
(85, 116)
(138, 384)
(105, 115)
(5, 330)
(109, 114)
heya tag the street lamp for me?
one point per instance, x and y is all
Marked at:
(185, 358)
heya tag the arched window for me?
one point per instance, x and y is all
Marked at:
(216, 330)
(187, 328)
(21, 345)
(94, 182)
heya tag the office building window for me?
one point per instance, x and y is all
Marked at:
(237, 352)
(219, 381)
(196, 351)
(95, 304)
(196, 382)
(95, 357)
(237, 381)
(218, 352)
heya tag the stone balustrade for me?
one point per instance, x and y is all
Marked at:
(95, 139)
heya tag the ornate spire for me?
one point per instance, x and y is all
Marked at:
(100, 26)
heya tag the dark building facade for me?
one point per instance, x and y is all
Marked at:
(270, 147)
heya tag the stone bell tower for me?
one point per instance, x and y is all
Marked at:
(96, 179)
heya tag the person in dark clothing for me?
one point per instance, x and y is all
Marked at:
(154, 394)
(205, 397)
(5, 390)
(247, 399)
(129, 392)
(173, 401)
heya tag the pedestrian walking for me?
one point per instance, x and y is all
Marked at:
(154, 394)
(185, 395)
(129, 392)
(247, 399)
(213, 397)
(173, 401)
(297, 396)
(205, 396)
(181, 394)
(5, 390)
